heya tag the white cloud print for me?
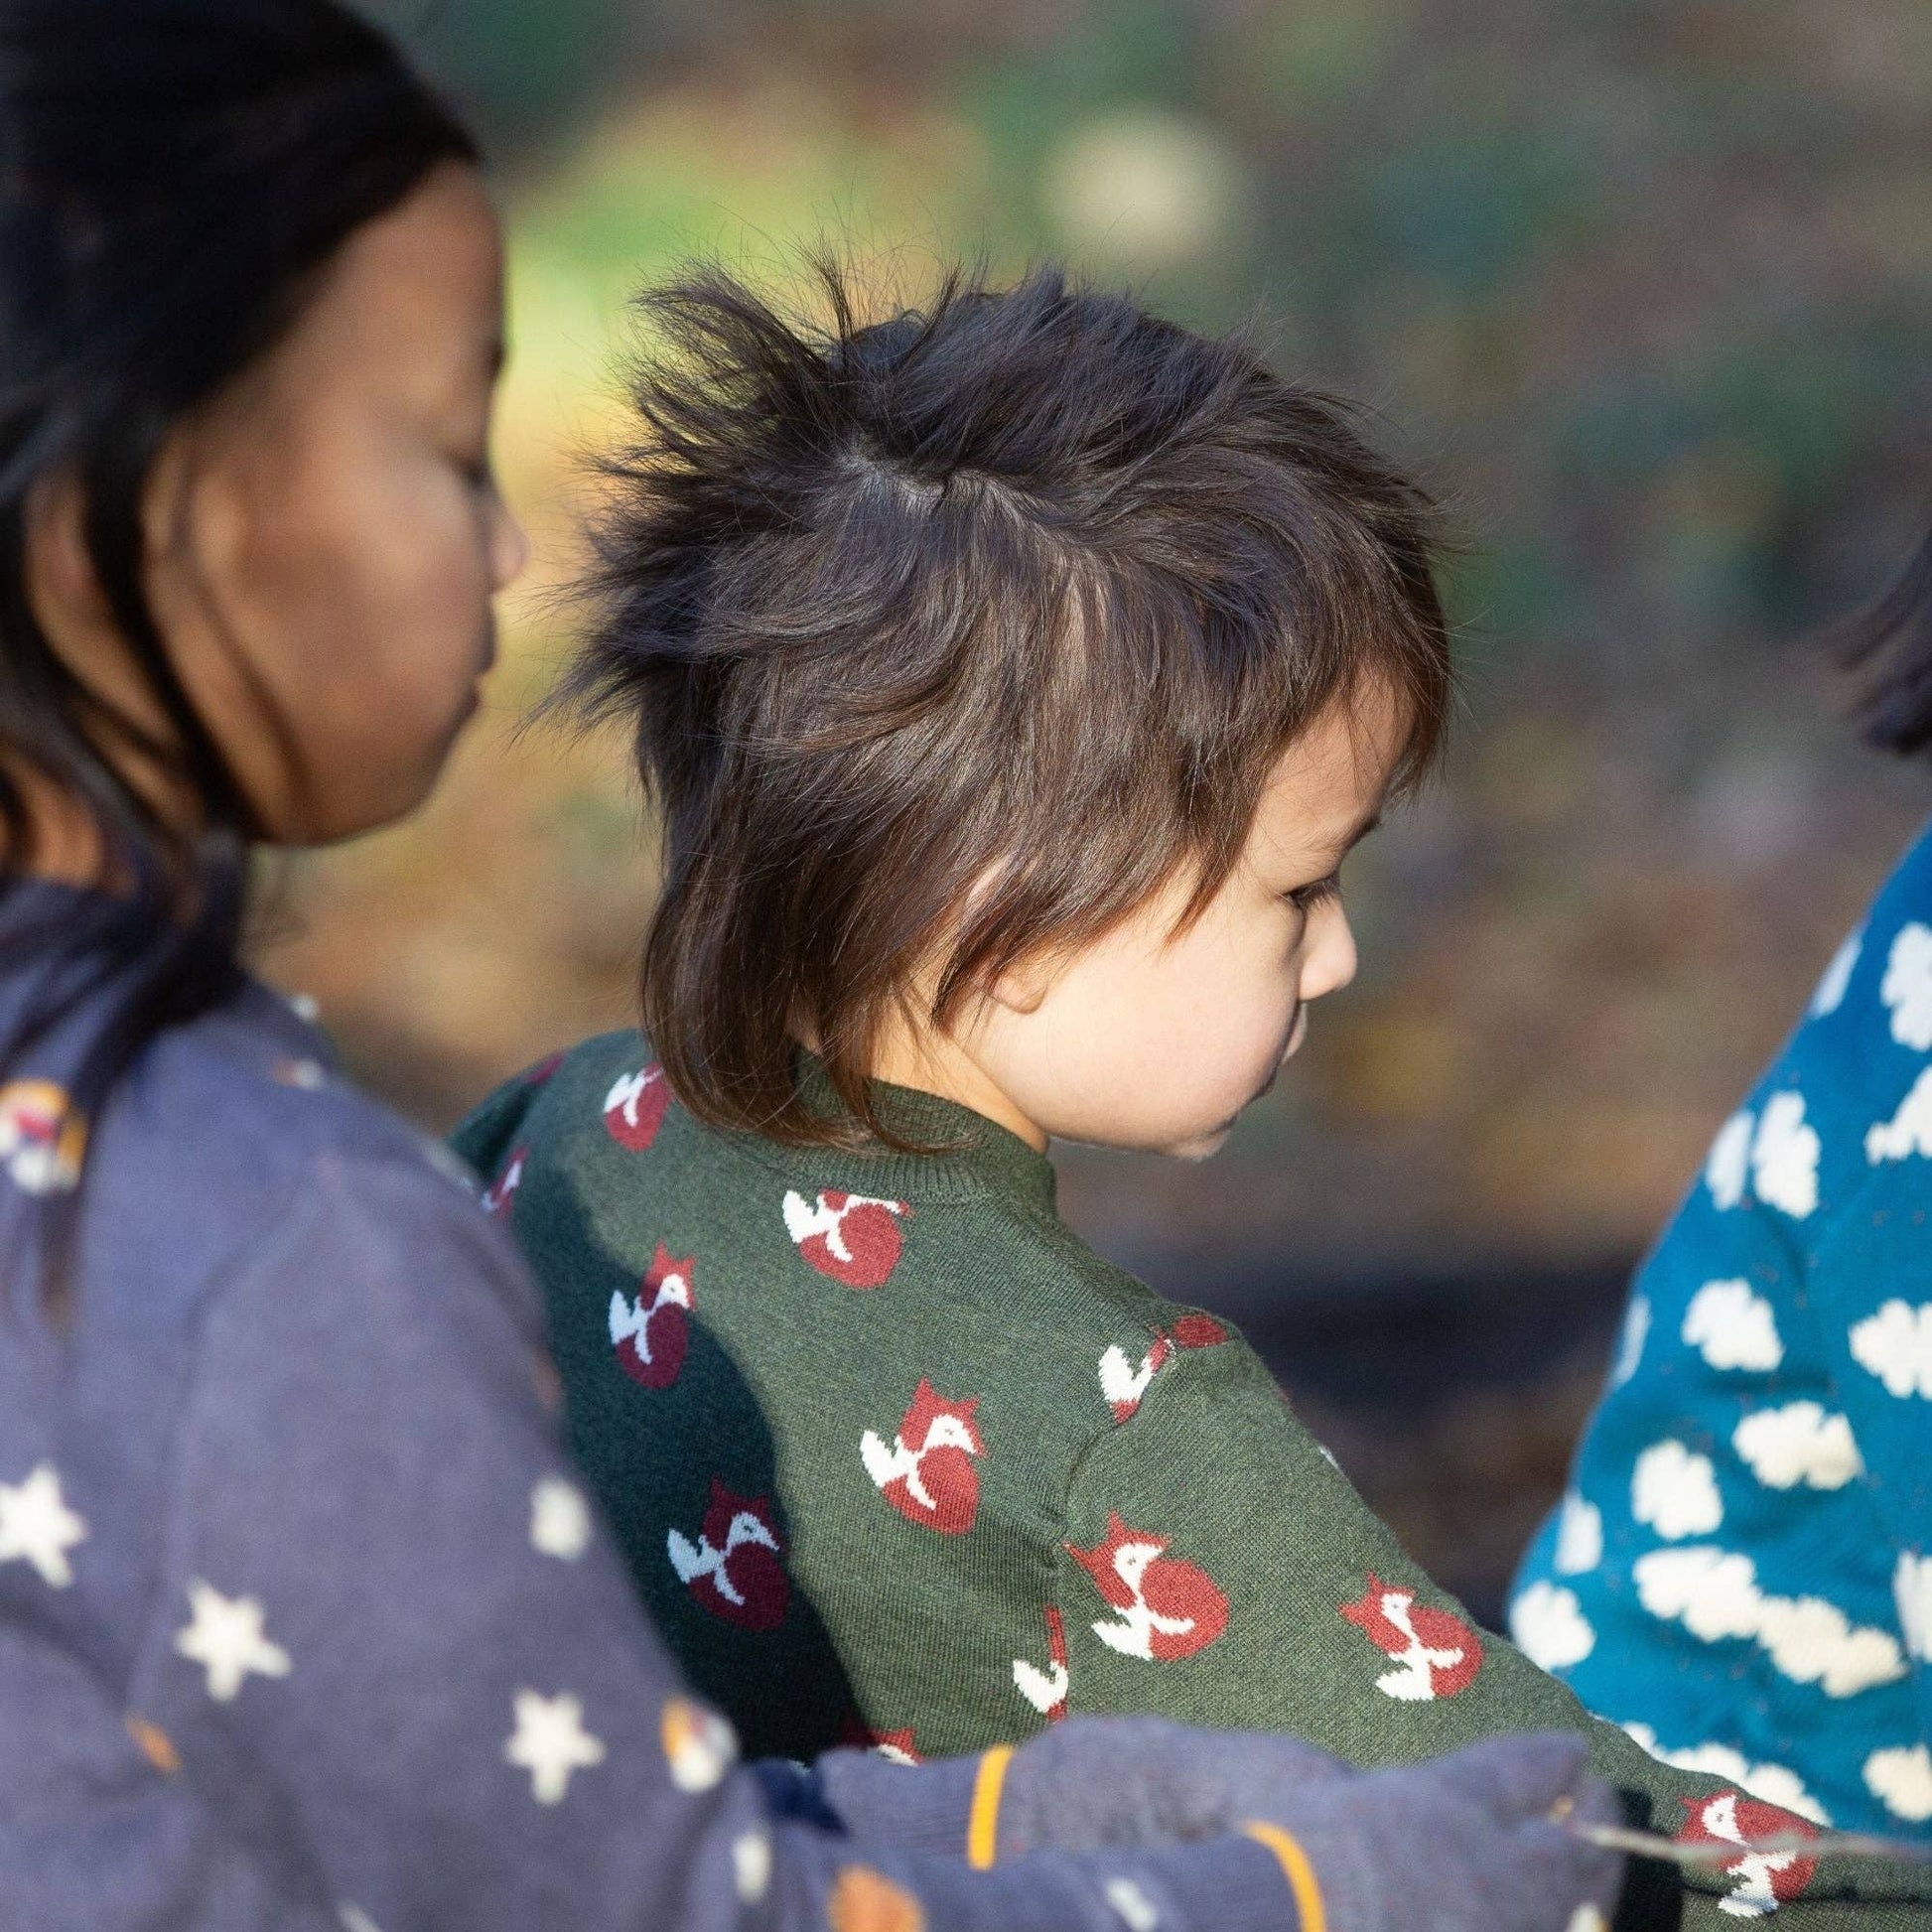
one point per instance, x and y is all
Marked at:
(1733, 1326)
(1911, 1587)
(1830, 995)
(1550, 1628)
(1907, 987)
(1910, 1131)
(1784, 1157)
(1675, 1492)
(1580, 1537)
(1773, 1155)
(1895, 1344)
(1800, 1443)
(1630, 1341)
(1727, 1168)
(1902, 1779)
(1714, 1594)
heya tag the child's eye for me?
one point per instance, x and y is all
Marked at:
(1305, 899)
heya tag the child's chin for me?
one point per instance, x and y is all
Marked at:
(1202, 1144)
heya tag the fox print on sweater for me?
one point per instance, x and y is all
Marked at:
(895, 1457)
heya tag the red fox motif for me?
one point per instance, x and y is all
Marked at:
(736, 1569)
(650, 1333)
(853, 1238)
(1122, 1385)
(635, 1108)
(927, 1474)
(1762, 1881)
(1436, 1654)
(498, 1195)
(896, 1745)
(1045, 1690)
(1169, 1608)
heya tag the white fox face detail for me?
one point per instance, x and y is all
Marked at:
(1123, 1384)
(694, 1560)
(736, 1568)
(1760, 1882)
(927, 1472)
(1166, 1608)
(635, 1108)
(1434, 1654)
(853, 1238)
(650, 1333)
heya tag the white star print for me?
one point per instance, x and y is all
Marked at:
(751, 1866)
(550, 1742)
(559, 1520)
(224, 1635)
(37, 1526)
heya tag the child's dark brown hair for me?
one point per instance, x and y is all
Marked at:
(953, 637)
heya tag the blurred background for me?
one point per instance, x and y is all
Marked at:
(1643, 287)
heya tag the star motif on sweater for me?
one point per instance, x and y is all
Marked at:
(37, 1526)
(226, 1637)
(550, 1742)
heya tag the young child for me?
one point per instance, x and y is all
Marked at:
(304, 1622)
(1739, 1572)
(1014, 678)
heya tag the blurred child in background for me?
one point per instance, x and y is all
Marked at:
(1741, 1573)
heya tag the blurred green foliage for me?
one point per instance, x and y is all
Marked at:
(1644, 288)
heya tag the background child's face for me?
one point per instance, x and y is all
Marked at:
(325, 537)
(1152, 1040)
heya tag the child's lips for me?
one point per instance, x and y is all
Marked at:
(1296, 1033)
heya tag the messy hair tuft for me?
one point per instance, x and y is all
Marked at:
(955, 635)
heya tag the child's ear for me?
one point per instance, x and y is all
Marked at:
(1022, 989)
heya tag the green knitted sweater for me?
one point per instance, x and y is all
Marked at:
(894, 1456)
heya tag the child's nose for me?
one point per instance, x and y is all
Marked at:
(1329, 959)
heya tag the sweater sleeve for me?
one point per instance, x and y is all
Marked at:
(1217, 1567)
(394, 1653)
(96, 1830)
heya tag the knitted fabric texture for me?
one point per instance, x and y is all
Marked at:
(894, 1457)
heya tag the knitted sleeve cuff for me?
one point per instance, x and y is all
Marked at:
(925, 1807)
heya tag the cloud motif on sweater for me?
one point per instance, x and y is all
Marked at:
(1911, 1588)
(1907, 987)
(1800, 1443)
(1774, 1783)
(1773, 1155)
(1549, 1626)
(1630, 1341)
(1714, 1594)
(1900, 1778)
(1784, 1157)
(1895, 1344)
(1727, 1169)
(1580, 1537)
(1733, 1326)
(1830, 995)
(1675, 1492)
(1910, 1131)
